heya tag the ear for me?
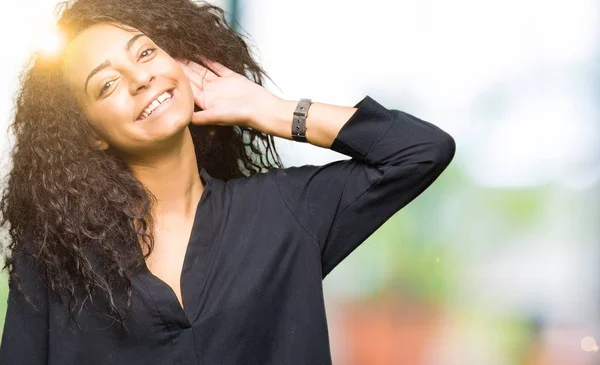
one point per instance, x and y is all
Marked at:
(99, 144)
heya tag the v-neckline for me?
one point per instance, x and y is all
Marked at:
(176, 305)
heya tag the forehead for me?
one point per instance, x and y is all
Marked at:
(92, 47)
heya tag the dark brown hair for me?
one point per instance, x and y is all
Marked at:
(81, 206)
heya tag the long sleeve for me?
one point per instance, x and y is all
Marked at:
(394, 158)
(25, 334)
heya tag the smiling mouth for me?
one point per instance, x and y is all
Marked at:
(156, 104)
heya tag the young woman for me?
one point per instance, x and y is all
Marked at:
(151, 221)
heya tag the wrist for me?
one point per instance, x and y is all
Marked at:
(276, 118)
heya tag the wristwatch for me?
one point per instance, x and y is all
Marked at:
(299, 122)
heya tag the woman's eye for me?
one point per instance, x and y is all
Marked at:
(147, 52)
(106, 87)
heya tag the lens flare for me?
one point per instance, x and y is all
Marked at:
(50, 42)
(588, 344)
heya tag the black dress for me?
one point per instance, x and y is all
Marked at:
(252, 275)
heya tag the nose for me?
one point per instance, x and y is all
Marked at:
(140, 79)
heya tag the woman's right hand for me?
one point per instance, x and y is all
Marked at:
(225, 96)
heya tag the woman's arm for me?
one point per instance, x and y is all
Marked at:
(395, 157)
(323, 122)
(228, 98)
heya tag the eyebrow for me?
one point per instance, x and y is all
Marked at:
(107, 63)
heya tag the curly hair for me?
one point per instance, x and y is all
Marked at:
(83, 209)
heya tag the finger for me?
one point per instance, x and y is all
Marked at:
(204, 117)
(207, 73)
(199, 79)
(199, 98)
(217, 68)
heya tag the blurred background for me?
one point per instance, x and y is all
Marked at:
(496, 263)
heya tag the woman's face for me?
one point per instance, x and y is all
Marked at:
(134, 95)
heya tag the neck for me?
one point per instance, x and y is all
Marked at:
(173, 178)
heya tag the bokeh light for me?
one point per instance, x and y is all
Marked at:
(588, 344)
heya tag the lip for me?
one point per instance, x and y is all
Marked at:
(160, 107)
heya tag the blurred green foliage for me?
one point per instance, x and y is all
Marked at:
(3, 298)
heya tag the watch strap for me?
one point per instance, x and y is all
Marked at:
(299, 120)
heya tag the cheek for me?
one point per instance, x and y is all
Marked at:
(110, 116)
(184, 87)
(183, 83)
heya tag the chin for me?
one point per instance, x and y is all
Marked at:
(174, 126)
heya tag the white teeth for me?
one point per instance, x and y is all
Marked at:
(164, 96)
(154, 104)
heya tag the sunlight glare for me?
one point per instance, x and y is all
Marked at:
(49, 42)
